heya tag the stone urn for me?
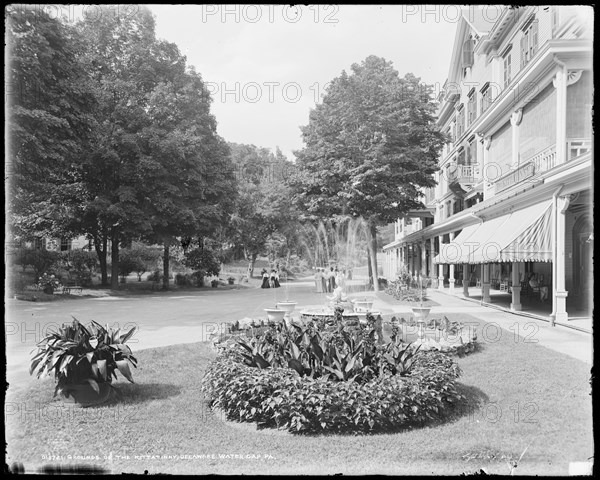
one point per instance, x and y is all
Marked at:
(421, 313)
(275, 314)
(287, 306)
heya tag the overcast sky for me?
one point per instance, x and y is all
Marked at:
(266, 65)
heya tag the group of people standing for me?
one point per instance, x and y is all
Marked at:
(327, 280)
(270, 280)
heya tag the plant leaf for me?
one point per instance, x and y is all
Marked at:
(123, 367)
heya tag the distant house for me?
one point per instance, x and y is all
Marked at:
(58, 244)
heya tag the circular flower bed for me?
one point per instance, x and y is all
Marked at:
(330, 382)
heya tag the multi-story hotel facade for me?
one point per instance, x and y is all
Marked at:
(514, 188)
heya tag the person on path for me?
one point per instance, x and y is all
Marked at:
(265, 279)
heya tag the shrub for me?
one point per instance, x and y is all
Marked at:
(41, 261)
(202, 259)
(281, 397)
(198, 278)
(155, 277)
(183, 279)
(329, 378)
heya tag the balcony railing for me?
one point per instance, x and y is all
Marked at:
(542, 162)
(464, 173)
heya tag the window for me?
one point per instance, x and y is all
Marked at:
(473, 151)
(529, 42)
(468, 56)
(460, 122)
(507, 66)
(40, 243)
(486, 97)
(461, 156)
(65, 244)
(471, 107)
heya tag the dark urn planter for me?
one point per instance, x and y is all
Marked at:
(84, 395)
(215, 283)
(48, 289)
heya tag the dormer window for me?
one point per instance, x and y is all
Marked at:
(468, 57)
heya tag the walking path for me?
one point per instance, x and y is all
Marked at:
(170, 318)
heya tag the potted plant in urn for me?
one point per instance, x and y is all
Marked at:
(49, 283)
(230, 280)
(84, 361)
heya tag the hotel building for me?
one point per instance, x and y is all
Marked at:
(514, 188)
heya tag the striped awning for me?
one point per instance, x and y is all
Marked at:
(521, 236)
(529, 236)
(453, 251)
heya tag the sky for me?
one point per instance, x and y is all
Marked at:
(267, 65)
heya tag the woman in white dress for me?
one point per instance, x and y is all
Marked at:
(318, 281)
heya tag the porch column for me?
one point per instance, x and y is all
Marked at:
(560, 293)
(440, 266)
(431, 257)
(560, 83)
(516, 290)
(451, 269)
(423, 259)
(487, 176)
(466, 279)
(485, 282)
(515, 121)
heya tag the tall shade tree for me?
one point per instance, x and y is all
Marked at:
(157, 169)
(188, 173)
(263, 206)
(49, 126)
(370, 146)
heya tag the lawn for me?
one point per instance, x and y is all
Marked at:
(523, 399)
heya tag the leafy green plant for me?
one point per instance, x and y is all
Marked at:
(48, 283)
(401, 360)
(75, 354)
(280, 397)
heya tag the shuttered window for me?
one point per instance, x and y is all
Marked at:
(529, 42)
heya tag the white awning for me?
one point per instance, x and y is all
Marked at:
(453, 251)
(521, 236)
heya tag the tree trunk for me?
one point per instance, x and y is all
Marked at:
(373, 255)
(166, 267)
(100, 247)
(251, 264)
(114, 258)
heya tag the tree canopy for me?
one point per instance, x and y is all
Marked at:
(370, 146)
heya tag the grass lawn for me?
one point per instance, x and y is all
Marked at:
(521, 398)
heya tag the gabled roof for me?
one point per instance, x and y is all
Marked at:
(477, 19)
(480, 19)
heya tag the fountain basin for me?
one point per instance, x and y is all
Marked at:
(326, 314)
(275, 314)
(362, 305)
(421, 313)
